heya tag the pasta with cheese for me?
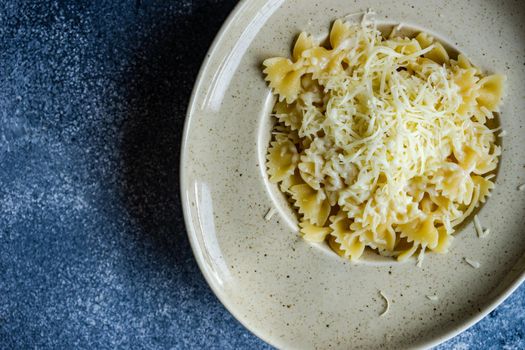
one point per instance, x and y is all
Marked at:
(381, 143)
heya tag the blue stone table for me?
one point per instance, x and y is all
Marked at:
(93, 248)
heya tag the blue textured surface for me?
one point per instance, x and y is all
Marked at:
(94, 252)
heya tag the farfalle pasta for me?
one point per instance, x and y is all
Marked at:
(381, 143)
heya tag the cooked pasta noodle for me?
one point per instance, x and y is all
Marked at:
(381, 143)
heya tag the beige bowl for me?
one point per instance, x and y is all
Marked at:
(296, 295)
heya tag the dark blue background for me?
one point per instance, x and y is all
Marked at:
(94, 252)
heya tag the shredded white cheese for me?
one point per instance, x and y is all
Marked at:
(369, 12)
(433, 297)
(486, 232)
(420, 258)
(271, 212)
(503, 133)
(475, 264)
(521, 187)
(387, 303)
(395, 30)
(477, 226)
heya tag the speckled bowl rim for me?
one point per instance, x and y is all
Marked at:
(212, 51)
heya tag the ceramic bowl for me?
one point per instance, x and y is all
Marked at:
(297, 295)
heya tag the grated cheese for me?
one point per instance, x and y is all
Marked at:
(477, 226)
(521, 187)
(433, 297)
(475, 264)
(387, 303)
(368, 12)
(420, 258)
(271, 212)
(395, 30)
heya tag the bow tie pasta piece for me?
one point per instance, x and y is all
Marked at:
(284, 77)
(484, 187)
(313, 233)
(404, 46)
(282, 159)
(438, 54)
(348, 243)
(490, 92)
(383, 237)
(340, 31)
(421, 231)
(311, 203)
(444, 241)
(455, 184)
(389, 134)
(304, 42)
(466, 79)
(288, 114)
(481, 95)
(336, 247)
(290, 181)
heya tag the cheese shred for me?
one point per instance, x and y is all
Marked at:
(433, 297)
(387, 301)
(475, 264)
(271, 212)
(477, 226)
